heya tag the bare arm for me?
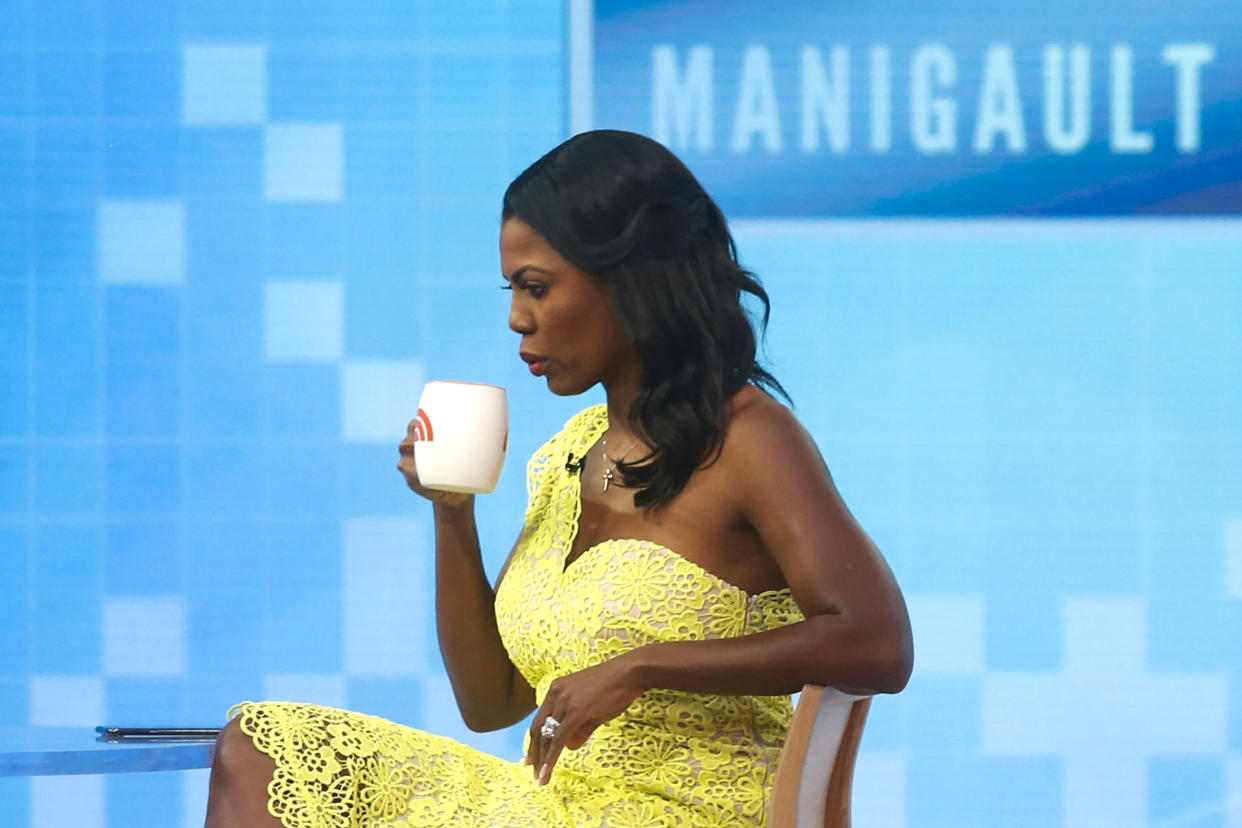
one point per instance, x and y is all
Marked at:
(856, 636)
(490, 691)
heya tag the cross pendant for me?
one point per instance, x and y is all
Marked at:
(607, 475)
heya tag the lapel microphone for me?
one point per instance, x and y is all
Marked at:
(576, 466)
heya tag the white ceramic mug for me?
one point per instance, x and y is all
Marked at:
(461, 436)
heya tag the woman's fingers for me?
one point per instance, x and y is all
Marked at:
(552, 754)
(409, 469)
(578, 704)
(406, 465)
(535, 747)
(569, 735)
(577, 738)
(543, 751)
(535, 743)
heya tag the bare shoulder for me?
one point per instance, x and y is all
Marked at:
(761, 430)
(772, 473)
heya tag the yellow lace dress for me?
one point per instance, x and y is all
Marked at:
(671, 759)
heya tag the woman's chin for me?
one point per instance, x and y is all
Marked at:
(562, 387)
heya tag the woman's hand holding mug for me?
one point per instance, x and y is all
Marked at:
(456, 446)
(408, 468)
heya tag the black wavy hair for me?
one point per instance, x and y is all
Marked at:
(625, 210)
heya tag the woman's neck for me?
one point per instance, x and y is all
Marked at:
(621, 391)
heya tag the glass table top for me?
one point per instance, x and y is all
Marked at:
(51, 751)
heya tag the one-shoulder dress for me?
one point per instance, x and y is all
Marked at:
(671, 759)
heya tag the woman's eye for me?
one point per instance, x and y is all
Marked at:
(535, 289)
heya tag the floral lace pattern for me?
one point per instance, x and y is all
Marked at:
(672, 759)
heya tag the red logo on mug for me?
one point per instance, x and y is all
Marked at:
(422, 427)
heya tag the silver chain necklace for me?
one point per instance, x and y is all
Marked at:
(608, 474)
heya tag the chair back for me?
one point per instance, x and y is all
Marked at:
(814, 779)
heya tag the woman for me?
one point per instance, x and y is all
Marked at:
(685, 562)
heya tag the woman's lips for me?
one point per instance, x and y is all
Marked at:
(538, 364)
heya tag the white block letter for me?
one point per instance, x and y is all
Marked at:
(825, 102)
(682, 107)
(1122, 137)
(756, 103)
(881, 100)
(1187, 59)
(1063, 138)
(1000, 109)
(933, 121)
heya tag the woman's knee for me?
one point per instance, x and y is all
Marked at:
(239, 777)
(236, 753)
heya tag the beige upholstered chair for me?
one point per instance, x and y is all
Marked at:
(815, 776)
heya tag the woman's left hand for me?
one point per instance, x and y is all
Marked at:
(581, 702)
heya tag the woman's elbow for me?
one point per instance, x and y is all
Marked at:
(485, 721)
(895, 666)
(894, 656)
(477, 722)
(880, 659)
(481, 725)
(486, 715)
(892, 648)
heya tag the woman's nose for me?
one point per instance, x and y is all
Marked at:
(520, 319)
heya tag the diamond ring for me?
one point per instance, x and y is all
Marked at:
(548, 731)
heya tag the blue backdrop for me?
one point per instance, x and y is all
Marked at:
(235, 239)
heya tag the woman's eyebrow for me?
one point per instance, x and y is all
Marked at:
(518, 273)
